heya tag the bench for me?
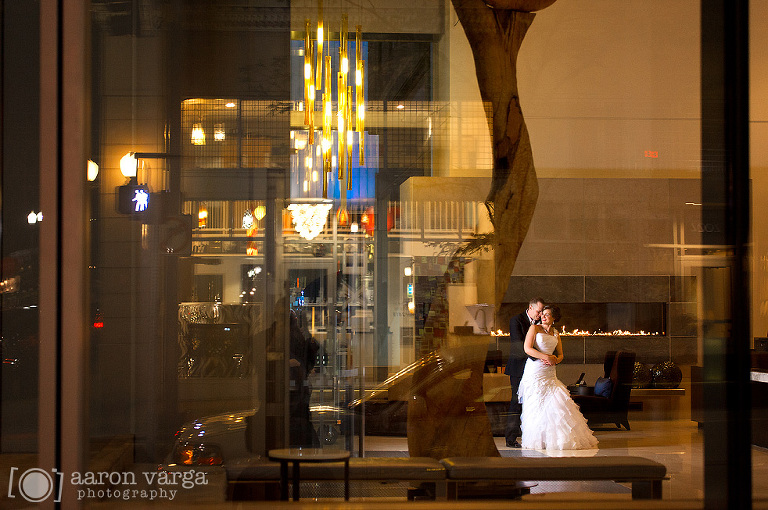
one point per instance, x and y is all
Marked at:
(645, 475)
(443, 477)
(419, 470)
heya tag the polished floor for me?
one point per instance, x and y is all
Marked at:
(679, 445)
(676, 444)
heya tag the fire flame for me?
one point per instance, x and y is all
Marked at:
(617, 332)
(581, 332)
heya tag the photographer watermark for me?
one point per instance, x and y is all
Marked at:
(36, 485)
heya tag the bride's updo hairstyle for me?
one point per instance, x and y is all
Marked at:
(555, 311)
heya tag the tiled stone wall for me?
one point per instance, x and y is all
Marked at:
(678, 342)
(614, 240)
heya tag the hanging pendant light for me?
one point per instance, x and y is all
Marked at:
(342, 216)
(309, 83)
(319, 47)
(198, 134)
(350, 114)
(260, 212)
(219, 134)
(360, 106)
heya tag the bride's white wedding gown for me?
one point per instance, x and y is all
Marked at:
(550, 419)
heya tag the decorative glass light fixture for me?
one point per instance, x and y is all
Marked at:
(350, 112)
(202, 216)
(309, 218)
(251, 248)
(247, 219)
(342, 217)
(309, 84)
(260, 212)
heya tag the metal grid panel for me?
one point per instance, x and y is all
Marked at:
(265, 135)
(210, 129)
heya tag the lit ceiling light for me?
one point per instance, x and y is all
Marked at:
(32, 218)
(400, 106)
(128, 165)
(198, 135)
(230, 105)
(353, 227)
(309, 219)
(92, 170)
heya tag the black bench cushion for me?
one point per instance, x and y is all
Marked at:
(553, 468)
(366, 468)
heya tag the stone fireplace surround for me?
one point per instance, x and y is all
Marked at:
(666, 304)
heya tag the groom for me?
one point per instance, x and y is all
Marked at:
(518, 327)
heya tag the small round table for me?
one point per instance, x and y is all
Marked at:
(298, 455)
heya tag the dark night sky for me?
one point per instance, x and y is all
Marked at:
(20, 149)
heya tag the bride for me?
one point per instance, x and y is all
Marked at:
(550, 419)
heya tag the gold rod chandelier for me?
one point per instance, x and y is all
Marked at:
(350, 110)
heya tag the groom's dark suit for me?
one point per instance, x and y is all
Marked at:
(518, 327)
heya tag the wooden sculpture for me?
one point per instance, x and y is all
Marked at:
(446, 412)
(495, 30)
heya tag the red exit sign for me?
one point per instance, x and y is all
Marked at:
(651, 154)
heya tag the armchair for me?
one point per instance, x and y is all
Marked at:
(619, 367)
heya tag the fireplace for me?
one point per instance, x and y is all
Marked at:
(604, 319)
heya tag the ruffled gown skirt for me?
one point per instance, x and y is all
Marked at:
(550, 420)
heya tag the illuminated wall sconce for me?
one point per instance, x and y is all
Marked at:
(128, 165)
(353, 227)
(198, 134)
(34, 217)
(407, 271)
(411, 307)
(219, 134)
(92, 171)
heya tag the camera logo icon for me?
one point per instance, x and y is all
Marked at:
(36, 485)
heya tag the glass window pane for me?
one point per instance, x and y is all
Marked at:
(337, 249)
